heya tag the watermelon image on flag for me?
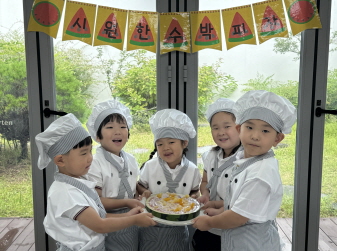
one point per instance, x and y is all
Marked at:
(175, 36)
(79, 26)
(110, 31)
(271, 23)
(46, 14)
(142, 35)
(301, 12)
(206, 34)
(240, 31)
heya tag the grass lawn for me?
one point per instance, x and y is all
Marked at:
(15, 181)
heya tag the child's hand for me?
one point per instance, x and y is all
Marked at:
(203, 199)
(144, 220)
(209, 204)
(132, 203)
(146, 194)
(202, 223)
(134, 211)
(195, 195)
(213, 211)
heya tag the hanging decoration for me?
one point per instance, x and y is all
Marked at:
(270, 20)
(142, 30)
(179, 31)
(302, 15)
(79, 22)
(174, 32)
(45, 16)
(205, 30)
(110, 27)
(238, 26)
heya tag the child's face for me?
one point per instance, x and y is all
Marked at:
(114, 137)
(224, 131)
(171, 150)
(257, 137)
(76, 162)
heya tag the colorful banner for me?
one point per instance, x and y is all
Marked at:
(46, 16)
(142, 30)
(270, 20)
(206, 30)
(79, 21)
(110, 27)
(238, 26)
(174, 32)
(302, 15)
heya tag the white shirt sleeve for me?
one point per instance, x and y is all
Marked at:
(144, 176)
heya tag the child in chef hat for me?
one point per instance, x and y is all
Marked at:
(254, 195)
(115, 171)
(218, 163)
(170, 172)
(75, 217)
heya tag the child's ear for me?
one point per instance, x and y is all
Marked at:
(278, 139)
(58, 160)
(238, 128)
(185, 143)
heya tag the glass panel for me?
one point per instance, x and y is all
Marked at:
(102, 72)
(15, 165)
(328, 222)
(272, 66)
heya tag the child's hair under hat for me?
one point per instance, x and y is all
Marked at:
(277, 111)
(59, 138)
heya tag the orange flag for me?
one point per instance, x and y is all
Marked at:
(206, 30)
(174, 32)
(79, 21)
(270, 20)
(46, 16)
(142, 30)
(110, 27)
(238, 26)
(302, 15)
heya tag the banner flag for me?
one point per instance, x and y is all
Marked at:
(79, 21)
(45, 16)
(174, 32)
(206, 30)
(142, 30)
(110, 27)
(238, 26)
(302, 15)
(270, 20)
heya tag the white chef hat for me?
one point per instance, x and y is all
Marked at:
(171, 123)
(104, 109)
(59, 138)
(267, 106)
(221, 105)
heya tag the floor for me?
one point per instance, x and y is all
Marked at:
(17, 234)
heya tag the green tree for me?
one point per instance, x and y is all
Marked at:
(134, 82)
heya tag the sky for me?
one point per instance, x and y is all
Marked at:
(243, 62)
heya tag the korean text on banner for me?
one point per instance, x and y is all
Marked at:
(270, 20)
(45, 16)
(302, 15)
(110, 27)
(206, 30)
(238, 26)
(142, 30)
(175, 32)
(79, 21)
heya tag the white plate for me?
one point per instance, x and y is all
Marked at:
(173, 223)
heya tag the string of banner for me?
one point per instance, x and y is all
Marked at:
(178, 31)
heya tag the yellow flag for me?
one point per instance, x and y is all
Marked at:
(46, 16)
(79, 21)
(142, 30)
(206, 30)
(270, 20)
(238, 26)
(175, 32)
(110, 27)
(302, 15)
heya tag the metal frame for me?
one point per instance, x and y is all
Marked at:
(177, 75)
